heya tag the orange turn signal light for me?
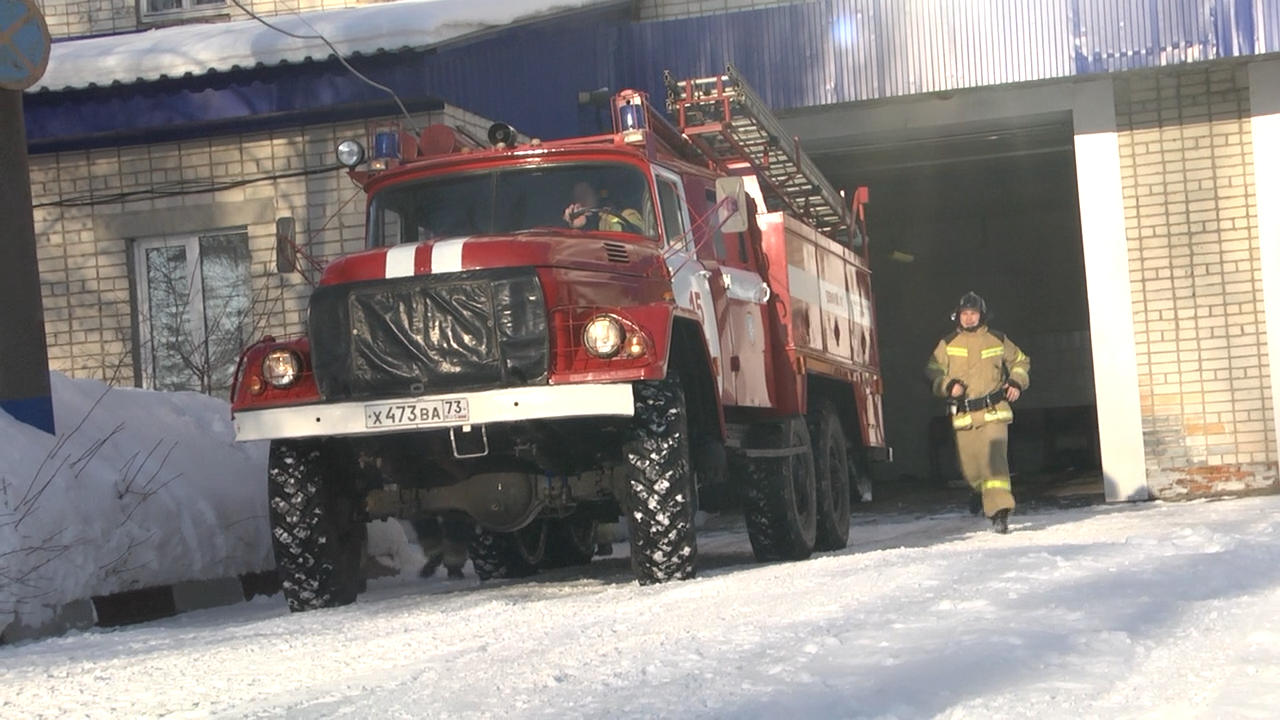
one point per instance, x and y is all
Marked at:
(635, 346)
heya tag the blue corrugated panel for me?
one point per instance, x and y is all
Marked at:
(1125, 34)
(844, 50)
(1269, 27)
(929, 46)
(831, 51)
(528, 76)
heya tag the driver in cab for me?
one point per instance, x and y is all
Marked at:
(589, 212)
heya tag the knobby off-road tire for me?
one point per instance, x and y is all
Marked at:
(316, 534)
(508, 555)
(661, 500)
(781, 503)
(831, 463)
(571, 542)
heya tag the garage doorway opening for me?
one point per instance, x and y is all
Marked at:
(994, 210)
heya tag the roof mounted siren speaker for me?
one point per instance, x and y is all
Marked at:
(502, 135)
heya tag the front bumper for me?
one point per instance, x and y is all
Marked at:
(547, 402)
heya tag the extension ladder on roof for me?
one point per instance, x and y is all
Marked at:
(730, 124)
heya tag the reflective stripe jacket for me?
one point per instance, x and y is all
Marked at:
(982, 359)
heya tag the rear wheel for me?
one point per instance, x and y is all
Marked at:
(502, 555)
(661, 499)
(571, 541)
(316, 532)
(831, 463)
(781, 504)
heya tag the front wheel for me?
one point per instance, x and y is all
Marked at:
(661, 500)
(316, 533)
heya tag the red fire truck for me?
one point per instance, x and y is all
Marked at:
(544, 336)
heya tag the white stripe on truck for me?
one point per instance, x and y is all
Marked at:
(400, 261)
(446, 255)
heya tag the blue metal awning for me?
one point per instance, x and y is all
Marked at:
(490, 76)
(198, 49)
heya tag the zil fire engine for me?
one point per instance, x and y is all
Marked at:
(543, 336)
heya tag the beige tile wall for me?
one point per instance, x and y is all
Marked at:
(1186, 159)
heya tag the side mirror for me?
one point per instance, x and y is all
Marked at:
(286, 247)
(736, 211)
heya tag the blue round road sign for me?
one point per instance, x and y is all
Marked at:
(24, 44)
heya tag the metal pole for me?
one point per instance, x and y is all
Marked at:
(24, 357)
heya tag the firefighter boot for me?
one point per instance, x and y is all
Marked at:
(457, 536)
(1000, 522)
(430, 539)
(433, 562)
(975, 503)
(604, 540)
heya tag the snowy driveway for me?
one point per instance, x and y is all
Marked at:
(1154, 610)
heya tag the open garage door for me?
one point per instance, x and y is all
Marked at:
(993, 209)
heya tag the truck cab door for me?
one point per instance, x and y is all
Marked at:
(690, 279)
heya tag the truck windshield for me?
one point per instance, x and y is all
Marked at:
(571, 197)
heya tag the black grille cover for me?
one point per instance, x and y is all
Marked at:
(429, 334)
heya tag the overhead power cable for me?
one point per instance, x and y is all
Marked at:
(177, 189)
(334, 50)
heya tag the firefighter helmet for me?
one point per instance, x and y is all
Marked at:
(970, 301)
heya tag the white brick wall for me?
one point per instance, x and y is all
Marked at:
(1196, 277)
(85, 263)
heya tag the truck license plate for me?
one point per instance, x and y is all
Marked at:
(426, 412)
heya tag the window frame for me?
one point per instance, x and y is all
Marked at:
(660, 175)
(188, 11)
(145, 356)
(494, 173)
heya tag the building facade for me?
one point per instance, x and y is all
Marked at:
(1102, 170)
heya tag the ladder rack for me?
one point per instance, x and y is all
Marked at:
(731, 125)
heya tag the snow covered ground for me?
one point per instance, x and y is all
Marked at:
(138, 489)
(1141, 611)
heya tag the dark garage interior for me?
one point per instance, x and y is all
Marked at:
(995, 210)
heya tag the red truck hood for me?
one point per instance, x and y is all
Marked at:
(442, 255)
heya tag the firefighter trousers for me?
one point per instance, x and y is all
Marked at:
(984, 460)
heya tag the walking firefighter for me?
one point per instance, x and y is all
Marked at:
(980, 372)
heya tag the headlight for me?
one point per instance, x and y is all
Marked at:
(280, 368)
(350, 153)
(603, 336)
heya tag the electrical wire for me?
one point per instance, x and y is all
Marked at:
(334, 50)
(178, 189)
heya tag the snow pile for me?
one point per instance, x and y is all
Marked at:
(138, 489)
(197, 49)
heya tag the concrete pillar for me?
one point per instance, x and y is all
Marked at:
(1106, 267)
(1264, 104)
